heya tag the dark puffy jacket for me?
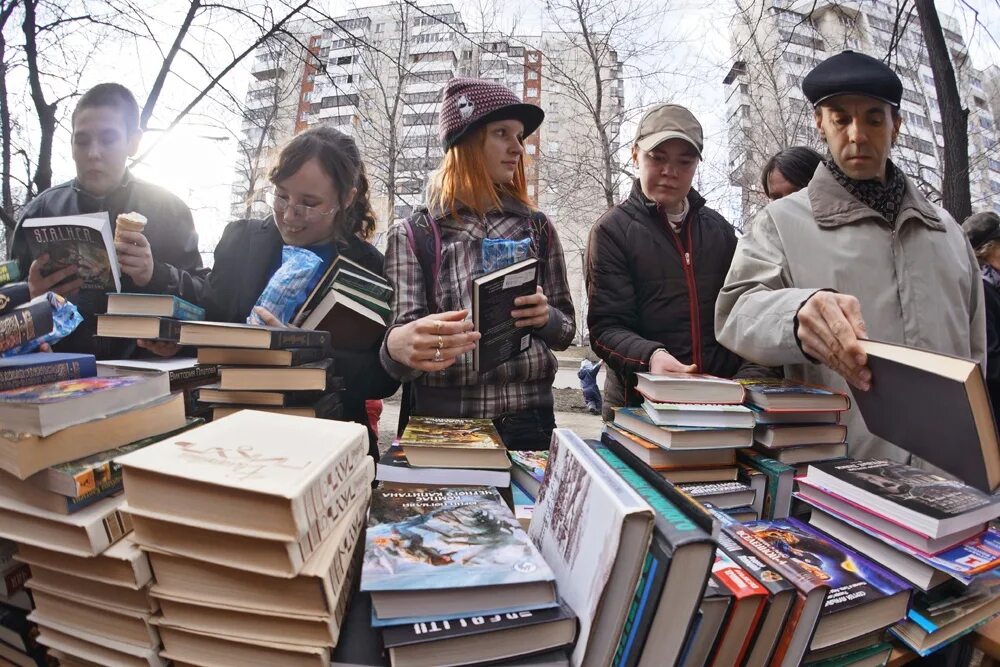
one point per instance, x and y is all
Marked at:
(991, 294)
(651, 288)
(172, 239)
(244, 258)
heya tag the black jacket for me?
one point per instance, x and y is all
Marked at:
(172, 238)
(991, 294)
(650, 288)
(246, 252)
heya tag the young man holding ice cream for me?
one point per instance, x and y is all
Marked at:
(157, 250)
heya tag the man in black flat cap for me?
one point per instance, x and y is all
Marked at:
(859, 253)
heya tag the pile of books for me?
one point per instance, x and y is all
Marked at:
(351, 303)
(61, 501)
(250, 524)
(437, 451)
(689, 430)
(932, 531)
(526, 476)
(270, 369)
(148, 316)
(797, 424)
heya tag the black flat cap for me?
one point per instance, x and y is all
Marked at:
(982, 227)
(852, 73)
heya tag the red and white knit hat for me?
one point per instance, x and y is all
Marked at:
(470, 103)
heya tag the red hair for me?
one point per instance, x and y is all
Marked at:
(463, 180)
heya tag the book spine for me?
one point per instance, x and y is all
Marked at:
(44, 372)
(356, 486)
(644, 607)
(170, 329)
(314, 503)
(185, 310)
(14, 295)
(15, 578)
(378, 292)
(627, 638)
(341, 564)
(9, 271)
(25, 324)
(299, 338)
(194, 373)
(106, 489)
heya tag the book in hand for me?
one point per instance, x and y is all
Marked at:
(934, 406)
(862, 595)
(45, 409)
(25, 323)
(374, 284)
(442, 552)
(154, 305)
(393, 467)
(705, 415)
(924, 501)
(233, 356)
(453, 443)
(26, 370)
(226, 334)
(84, 241)
(635, 420)
(13, 295)
(782, 394)
(529, 469)
(724, 495)
(584, 503)
(689, 388)
(253, 473)
(313, 376)
(10, 271)
(350, 323)
(151, 327)
(480, 639)
(493, 298)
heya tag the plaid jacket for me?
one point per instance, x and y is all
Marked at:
(523, 382)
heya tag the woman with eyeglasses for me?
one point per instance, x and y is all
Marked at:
(478, 209)
(319, 201)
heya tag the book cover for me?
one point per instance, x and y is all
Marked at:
(533, 463)
(85, 241)
(734, 578)
(450, 433)
(689, 388)
(381, 308)
(36, 368)
(9, 271)
(423, 538)
(25, 323)
(493, 298)
(393, 466)
(714, 488)
(228, 356)
(13, 295)
(66, 390)
(918, 490)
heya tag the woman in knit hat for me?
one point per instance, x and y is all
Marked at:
(477, 210)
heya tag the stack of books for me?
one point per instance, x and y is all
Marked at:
(526, 476)
(185, 373)
(250, 524)
(351, 303)
(797, 424)
(439, 558)
(61, 501)
(689, 429)
(18, 643)
(149, 316)
(934, 532)
(270, 369)
(438, 451)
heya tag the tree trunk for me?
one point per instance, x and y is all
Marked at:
(42, 179)
(956, 195)
(6, 125)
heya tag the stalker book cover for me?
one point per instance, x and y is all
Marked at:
(84, 241)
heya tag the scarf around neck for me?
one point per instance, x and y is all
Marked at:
(885, 199)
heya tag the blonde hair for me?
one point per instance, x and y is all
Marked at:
(984, 251)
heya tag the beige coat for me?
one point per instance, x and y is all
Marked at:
(918, 285)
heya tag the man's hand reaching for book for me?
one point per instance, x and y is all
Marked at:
(134, 256)
(829, 326)
(39, 284)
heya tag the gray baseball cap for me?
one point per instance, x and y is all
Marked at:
(669, 121)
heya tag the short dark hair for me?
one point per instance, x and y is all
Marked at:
(339, 158)
(797, 164)
(111, 95)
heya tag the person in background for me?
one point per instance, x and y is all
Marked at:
(477, 198)
(656, 263)
(983, 230)
(319, 201)
(162, 259)
(859, 253)
(789, 170)
(588, 385)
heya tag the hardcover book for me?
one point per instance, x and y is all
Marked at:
(449, 551)
(252, 473)
(230, 356)
(84, 241)
(13, 295)
(224, 334)
(326, 282)
(664, 460)
(707, 415)
(724, 495)
(313, 376)
(25, 323)
(148, 327)
(90, 649)
(635, 420)
(393, 467)
(943, 615)
(156, 305)
(48, 408)
(493, 298)
(122, 564)
(689, 388)
(86, 533)
(453, 443)
(945, 400)
(9, 271)
(594, 531)
(781, 394)
(749, 601)
(350, 323)
(929, 503)
(26, 370)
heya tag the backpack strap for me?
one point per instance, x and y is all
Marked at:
(424, 238)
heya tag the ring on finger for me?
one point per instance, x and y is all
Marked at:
(437, 354)
(438, 324)
(440, 342)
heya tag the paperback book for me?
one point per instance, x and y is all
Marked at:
(84, 241)
(26, 370)
(453, 443)
(493, 297)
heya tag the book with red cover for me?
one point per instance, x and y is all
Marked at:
(749, 600)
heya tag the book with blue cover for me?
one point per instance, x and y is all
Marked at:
(26, 370)
(782, 394)
(450, 550)
(158, 305)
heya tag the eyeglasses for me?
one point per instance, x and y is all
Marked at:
(281, 205)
